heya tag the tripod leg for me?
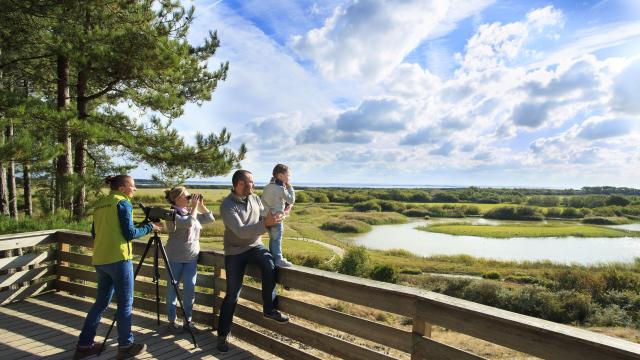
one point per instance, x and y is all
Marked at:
(174, 283)
(135, 274)
(157, 278)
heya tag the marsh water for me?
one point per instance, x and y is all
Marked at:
(568, 250)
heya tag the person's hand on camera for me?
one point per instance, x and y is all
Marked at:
(272, 219)
(157, 226)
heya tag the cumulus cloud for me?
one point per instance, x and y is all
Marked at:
(582, 75)
(367, 39)
(531, 114)
(626, 90)
(383, 114)
(605, 128)
(494, 44)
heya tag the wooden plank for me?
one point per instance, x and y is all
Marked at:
(270, 344)
(26, 275)
(146, 287)
(538, 337)
(38, 287)
(366, 329)
(139, 303)
(427, 349)
(318, 340)
(204, 280)
(27, 260)
(16, 241)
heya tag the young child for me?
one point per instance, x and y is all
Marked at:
(277, 197)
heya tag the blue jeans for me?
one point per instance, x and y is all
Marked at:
(275, 240)
(187, 272)
(116, 277)
(234, 266)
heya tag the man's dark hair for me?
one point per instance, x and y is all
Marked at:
(239, 175)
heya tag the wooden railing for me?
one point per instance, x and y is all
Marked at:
(310, 330)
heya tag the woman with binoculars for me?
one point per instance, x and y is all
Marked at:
(183, 248)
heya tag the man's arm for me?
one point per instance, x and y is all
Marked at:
(129, 231)
(232, 220)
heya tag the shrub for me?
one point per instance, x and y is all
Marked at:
(302, 197)
(554, 212)
(598, 220)
(483, 292)
(313, 261)
(370, 205)
(494, 275)
(611, 315)
(617, 200)
(420, 197)
(375, 218)
(411, 271)
(571, 213)
(322, 198)
(514, 213)
(386, 273)
(346, 226)
(392, 206)
(444, 198)
(355, 262)
(418, 213)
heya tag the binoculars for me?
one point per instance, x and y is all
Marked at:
(191, 196)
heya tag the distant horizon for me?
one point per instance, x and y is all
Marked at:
(389, 185)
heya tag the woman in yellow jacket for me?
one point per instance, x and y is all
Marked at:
(112, 232)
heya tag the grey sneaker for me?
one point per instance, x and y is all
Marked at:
(130, 351)
(282, 263)
(223, 344)
(276, 316)
(172, 327)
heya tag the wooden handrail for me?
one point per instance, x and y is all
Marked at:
(519, 332)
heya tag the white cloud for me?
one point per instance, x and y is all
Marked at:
(367, 39)
(596, 128)
(626, 90)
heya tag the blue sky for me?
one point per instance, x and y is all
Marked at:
(478, 92)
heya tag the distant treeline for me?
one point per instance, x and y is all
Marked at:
(586, 197)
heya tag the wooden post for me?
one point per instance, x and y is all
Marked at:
(217, 274)
(420, 328)
(63, 247)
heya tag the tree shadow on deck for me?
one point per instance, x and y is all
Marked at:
(48, 326)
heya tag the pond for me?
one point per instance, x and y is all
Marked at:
(567, 250)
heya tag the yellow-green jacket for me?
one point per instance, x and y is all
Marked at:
(113, 229)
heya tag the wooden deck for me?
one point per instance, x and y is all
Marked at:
(47, 326)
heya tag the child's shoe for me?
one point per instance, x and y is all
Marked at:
(283, 263)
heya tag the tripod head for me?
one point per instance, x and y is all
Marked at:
(156, 214)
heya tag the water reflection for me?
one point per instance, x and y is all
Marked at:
(557, 249)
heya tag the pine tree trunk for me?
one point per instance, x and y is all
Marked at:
(28, 200)
(4, 200)
(63, 195)
(11, 179)
(81, 147)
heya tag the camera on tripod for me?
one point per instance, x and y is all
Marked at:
(155, 214)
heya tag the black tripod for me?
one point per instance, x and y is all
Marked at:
(158, 247)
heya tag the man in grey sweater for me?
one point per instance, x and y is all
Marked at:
(243, 225)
